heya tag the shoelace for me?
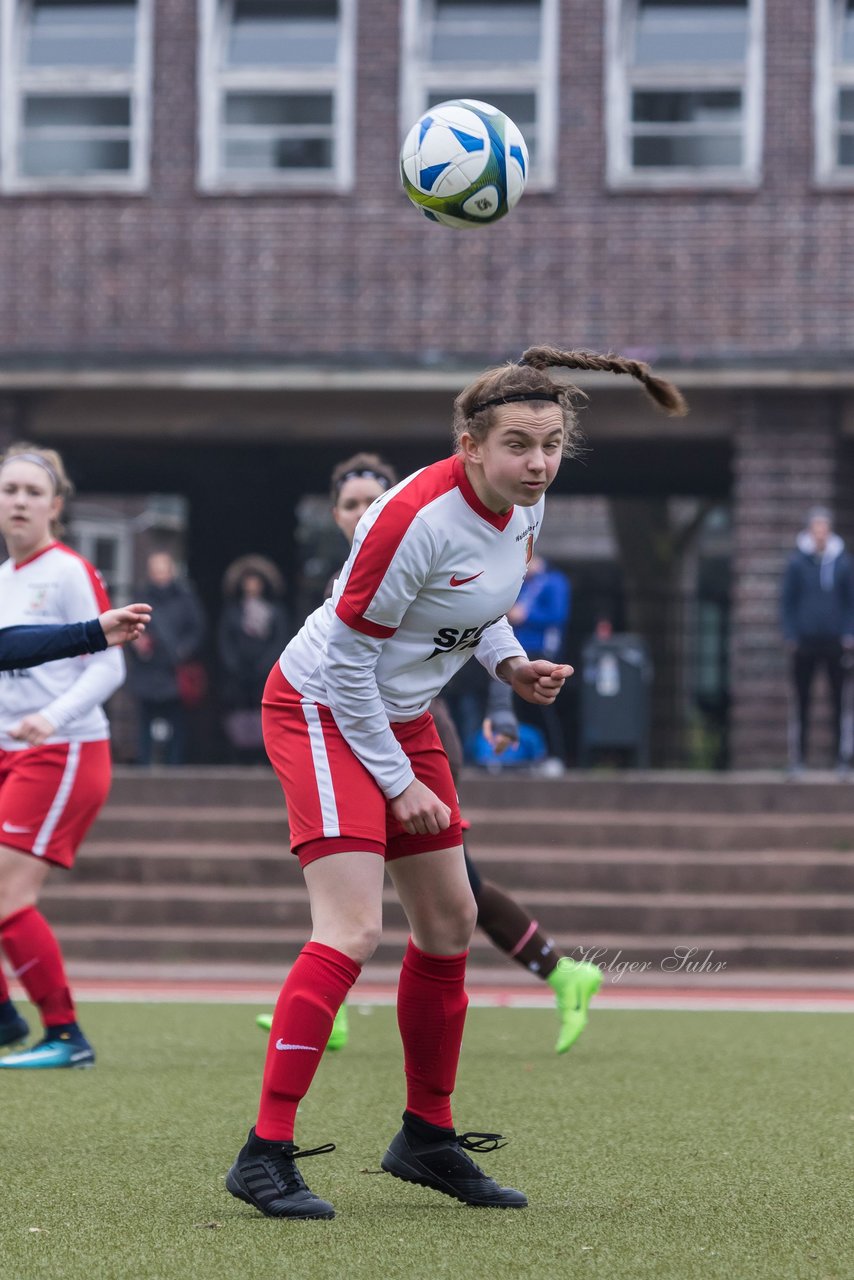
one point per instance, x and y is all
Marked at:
(481, 1142)
(298, 1152)
(288, 1173)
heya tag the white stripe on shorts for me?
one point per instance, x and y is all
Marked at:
(60, 800)
(322, 772)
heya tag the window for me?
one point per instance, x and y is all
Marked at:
(499, 51)
(277, 94)
(684, 92)
(107, 542)
(834, 92)
(75, 78)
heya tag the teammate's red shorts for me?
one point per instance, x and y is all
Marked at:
(334, 803)
(51, 795)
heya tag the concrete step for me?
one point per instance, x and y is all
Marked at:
(199, 823)
(164, 944)
(668, 792)
(192, 867)
(674, 791)
(587, 829)
(743, 871)
(656, 914)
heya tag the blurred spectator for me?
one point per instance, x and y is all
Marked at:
(818, 625)
(165, 676)
(502, 742)
(253, 630)
(539, 617)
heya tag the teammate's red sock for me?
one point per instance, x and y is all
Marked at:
(313, 993)
(431, 1014)
(4, 987)
(36, 961)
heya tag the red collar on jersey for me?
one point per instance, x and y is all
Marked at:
(29, 560)
(500, 522)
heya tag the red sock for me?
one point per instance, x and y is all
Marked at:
(314, 991)
(431, 1014)
(36, 961)
(4, 987)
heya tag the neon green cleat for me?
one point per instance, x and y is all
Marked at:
(338, 1036)
(575, 983)
(340, 1033)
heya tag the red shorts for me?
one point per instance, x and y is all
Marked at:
(50, 796)
(334, 803)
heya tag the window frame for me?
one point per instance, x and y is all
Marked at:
(16, 81)
(621, 81)
(419, 78)
(213, 84)
(830, 76)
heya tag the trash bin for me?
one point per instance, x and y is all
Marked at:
(616, 679)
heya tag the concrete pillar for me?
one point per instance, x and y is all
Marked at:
(784, 462)
(12, 419)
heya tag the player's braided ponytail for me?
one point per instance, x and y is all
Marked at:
(663, 393)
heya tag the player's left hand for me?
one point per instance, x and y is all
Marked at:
(34, 729)
(540, 681)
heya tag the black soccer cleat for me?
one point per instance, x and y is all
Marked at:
(443, 1165)
(265, 1175)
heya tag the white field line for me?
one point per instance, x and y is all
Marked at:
(265, 996)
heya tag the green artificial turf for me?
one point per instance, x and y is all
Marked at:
(664, 1145)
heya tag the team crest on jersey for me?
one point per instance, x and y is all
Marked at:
(38, 599)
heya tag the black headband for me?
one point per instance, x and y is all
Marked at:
(362, 473)
(521, 395)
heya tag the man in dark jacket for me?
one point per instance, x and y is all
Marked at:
(818, 625)
(161, 657)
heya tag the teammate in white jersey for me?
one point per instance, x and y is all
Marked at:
(435, 564)
(54, 748)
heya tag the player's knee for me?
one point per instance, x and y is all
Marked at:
(13, 899)
(466, 920)
(450, 932)
(358, 939)
(16, 892)
(364, 944)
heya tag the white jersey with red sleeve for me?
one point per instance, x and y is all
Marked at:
(57, 586)
(430, 576)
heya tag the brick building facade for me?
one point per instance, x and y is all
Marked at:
(282, 322)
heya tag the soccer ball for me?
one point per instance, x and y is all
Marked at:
(464, 163)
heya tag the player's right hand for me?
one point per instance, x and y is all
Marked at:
(420, 811)
(122, 625)
(539, 681)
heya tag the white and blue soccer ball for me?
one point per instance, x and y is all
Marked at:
(464, 163)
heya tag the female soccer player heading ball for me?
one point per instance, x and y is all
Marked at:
(435, 564)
